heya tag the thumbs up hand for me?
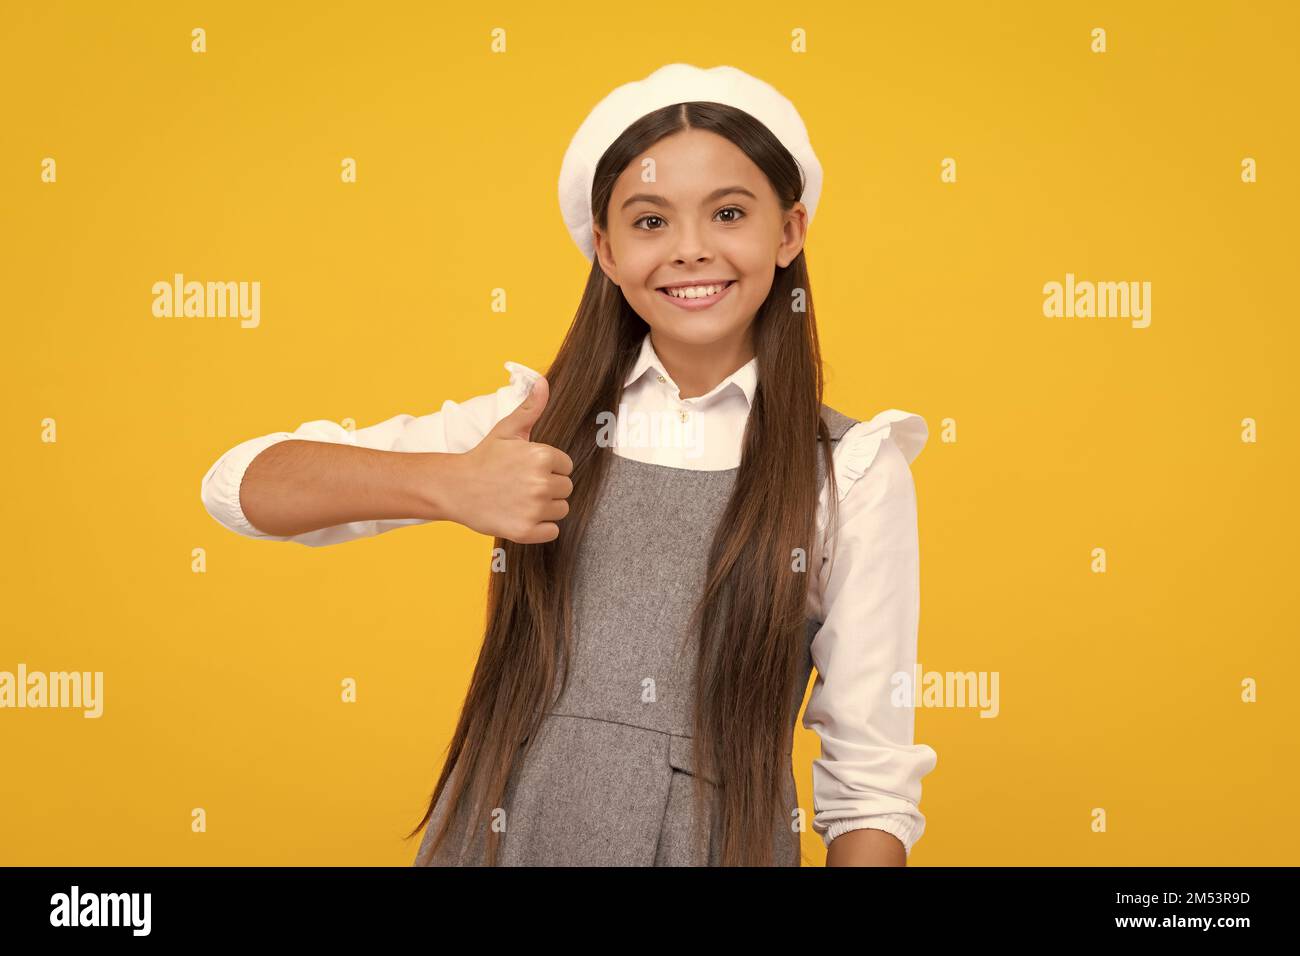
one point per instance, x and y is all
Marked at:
(509, 486)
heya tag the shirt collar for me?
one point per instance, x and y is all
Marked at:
(744, 378)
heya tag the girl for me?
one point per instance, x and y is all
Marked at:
(652, 622)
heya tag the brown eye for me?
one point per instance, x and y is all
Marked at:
(644, 218)
(732, 209)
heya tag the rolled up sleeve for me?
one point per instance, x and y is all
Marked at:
(870, 770)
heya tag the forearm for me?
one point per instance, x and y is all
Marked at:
(866, 847)
(297, 486)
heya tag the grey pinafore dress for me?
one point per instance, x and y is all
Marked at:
(608, 780)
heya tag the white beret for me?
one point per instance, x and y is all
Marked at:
(676, 83)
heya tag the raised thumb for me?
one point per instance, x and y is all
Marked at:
(519, 423)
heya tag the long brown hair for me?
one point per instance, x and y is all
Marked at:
(751, 619)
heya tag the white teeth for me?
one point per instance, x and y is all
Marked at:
(695, 292)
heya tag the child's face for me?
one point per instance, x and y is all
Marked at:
(690, 233)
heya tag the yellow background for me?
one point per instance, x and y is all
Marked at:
(1118, 690)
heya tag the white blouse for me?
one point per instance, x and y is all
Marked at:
(869, 774)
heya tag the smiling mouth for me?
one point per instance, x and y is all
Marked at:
(697, 302)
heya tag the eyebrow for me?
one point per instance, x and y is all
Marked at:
(661, 201)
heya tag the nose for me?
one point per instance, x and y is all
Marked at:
(691, 245)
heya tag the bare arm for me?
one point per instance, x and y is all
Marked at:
(506, 486)
(297, 486)
(866, 847)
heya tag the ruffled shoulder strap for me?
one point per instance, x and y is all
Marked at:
(858, 447)
(521, 374)
(521, 377)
